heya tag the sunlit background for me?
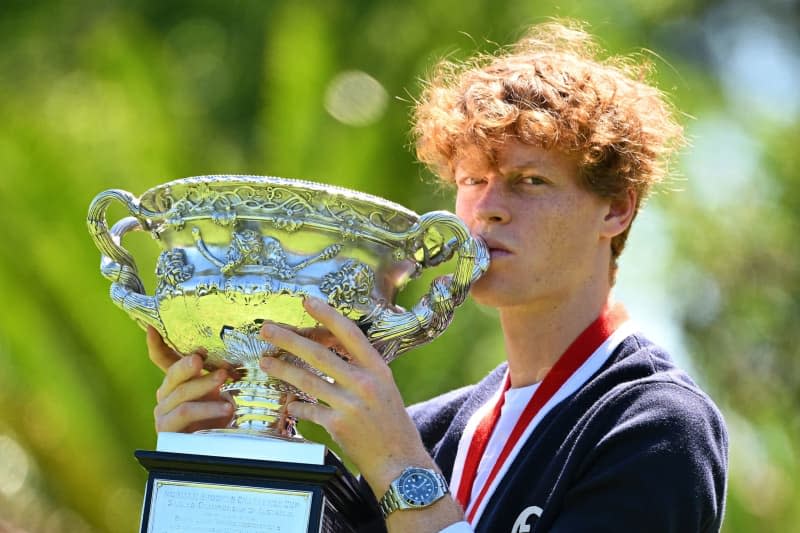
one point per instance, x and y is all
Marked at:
(98, 95)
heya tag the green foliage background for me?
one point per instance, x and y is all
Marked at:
(98, 95)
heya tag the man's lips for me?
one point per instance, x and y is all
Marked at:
(496, 248)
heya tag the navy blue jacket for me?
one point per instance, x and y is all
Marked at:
(638, 448)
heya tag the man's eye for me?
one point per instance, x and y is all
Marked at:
(533, 180)
(469, 181)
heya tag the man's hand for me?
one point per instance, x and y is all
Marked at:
(362, 409)
(189, 398)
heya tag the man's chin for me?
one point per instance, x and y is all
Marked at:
(483, 293)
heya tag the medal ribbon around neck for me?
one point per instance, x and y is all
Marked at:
(581, 349)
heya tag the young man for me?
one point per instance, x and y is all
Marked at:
(588, 426)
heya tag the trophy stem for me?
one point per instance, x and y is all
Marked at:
(260, 403)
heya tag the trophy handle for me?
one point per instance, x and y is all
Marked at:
(116, 263)
(392, 332)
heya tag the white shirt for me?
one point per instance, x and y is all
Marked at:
(513, 405)
(515, 402)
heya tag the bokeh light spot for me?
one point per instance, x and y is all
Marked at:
(13, 466)
(355, 98)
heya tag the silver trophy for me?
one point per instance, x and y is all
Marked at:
(238, 250)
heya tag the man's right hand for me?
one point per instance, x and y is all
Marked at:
(189, 398)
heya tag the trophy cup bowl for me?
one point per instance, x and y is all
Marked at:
(239, 250)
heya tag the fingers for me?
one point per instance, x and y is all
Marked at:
(310, 351)
(345, 331)
(352, 381)
(321, 335)
(191, 390)
(318, 334)
(162, 355)
(301, 378)
(188, 399)
(316, 413)
(182, 370)
(191, 415)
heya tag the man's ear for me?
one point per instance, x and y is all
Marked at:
(621, 210)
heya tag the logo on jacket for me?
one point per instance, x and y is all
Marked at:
(521, 525)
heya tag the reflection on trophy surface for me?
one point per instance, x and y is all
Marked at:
(239, 250)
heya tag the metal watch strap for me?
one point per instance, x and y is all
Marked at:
(390, 501)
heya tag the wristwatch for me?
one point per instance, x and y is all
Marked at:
(415, 488)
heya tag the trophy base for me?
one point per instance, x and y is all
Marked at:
(243, 444)
(210, 494)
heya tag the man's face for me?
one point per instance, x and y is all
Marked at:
(547, 234)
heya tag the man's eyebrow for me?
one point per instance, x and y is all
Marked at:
(532, 165)
(467, 168)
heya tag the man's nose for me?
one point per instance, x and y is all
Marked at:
(492, 206)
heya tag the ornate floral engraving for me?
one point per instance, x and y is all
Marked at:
(288, 207)
(349, 286)
(248, 294)
(224, 218)
(172, 269)
(206, 288)
(281, 205)
(350, 222)
(249, 249)
(287, 224)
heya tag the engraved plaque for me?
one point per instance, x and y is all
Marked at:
(180, 506)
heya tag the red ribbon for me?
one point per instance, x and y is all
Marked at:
(581, 349)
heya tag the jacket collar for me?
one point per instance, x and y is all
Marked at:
(445, 452)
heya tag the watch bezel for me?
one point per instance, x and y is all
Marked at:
(430, 475)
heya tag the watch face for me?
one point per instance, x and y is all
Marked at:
(418, 486)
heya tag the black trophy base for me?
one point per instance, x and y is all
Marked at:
(207, 494)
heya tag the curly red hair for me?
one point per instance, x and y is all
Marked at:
(552, 89)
